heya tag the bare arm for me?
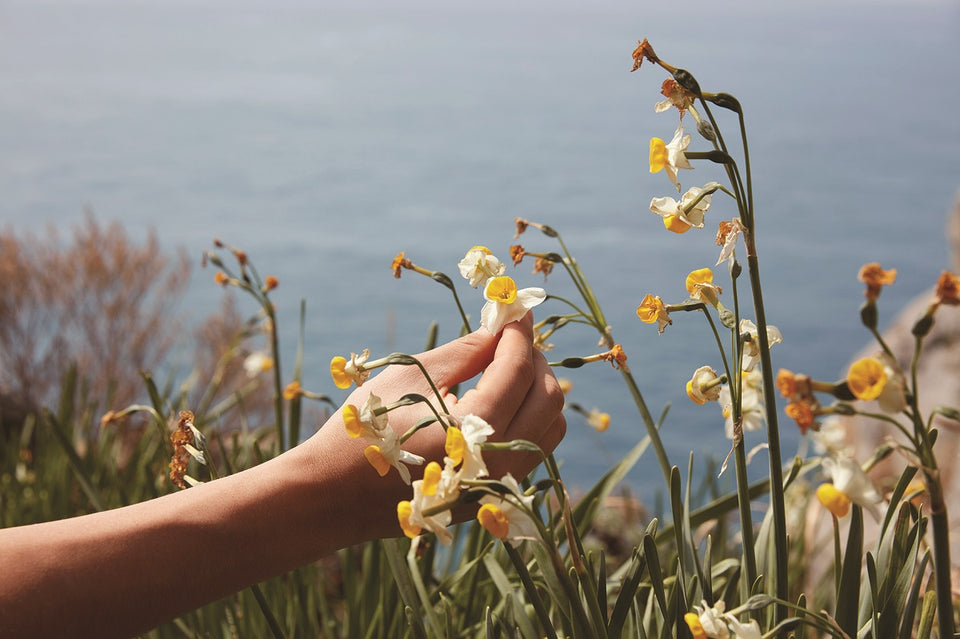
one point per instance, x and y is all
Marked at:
(123, 571)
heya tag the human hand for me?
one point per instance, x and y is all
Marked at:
(517, 395)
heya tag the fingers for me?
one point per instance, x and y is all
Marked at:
(461, 359)
(507, 380)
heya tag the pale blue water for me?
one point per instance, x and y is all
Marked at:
(324, 137)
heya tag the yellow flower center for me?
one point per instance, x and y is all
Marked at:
(404, 511)
(431, 478)
(338, 370)
(696, 628)
(485, 250)
(455, 445)
(377, 460)
(866, 378)
(833, 500)
(658, 154)
(493, 519)
(502, 290)
(351, 420)
(674, 224)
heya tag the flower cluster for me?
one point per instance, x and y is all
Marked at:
(371, 422)
(504, 302)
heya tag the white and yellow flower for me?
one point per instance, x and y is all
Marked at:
(256, 363)
(727, 235)
(848, 483)
(701, 287)
(479, 265)
(670, 157)
(710, 620)
(438, 488)
(751, 348)
(345, 372)
(504, 518)
(702, 387)
(463, 446)
(750, 630)
(893, 397)
(652, 310)
(384, 450)
(506, 304)
(678, 217)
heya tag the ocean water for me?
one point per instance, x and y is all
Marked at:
(324, 137)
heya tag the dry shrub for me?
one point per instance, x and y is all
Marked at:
(99, 301)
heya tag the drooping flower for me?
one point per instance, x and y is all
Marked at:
(504, 518)
(710, 620)
(400, 261)
(701, 287)
(436, 494)
(678, 217)
(256, 363)
(643, 50)
(479, 265)
(670, 157)
(847, 480)
(463, 446)
(866, 378)
(875, 278)
(700, 389)
(727, 234)
(506, 304)
(384, 451)
(751, 348)
(346, 372)
(802, 413)
(676, 96)
(652, 310)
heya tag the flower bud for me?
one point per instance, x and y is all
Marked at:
(948, 412)
(840, 390)
(706, 129)
(735, 269)
(923, 325)
(868, 314)
(726, 101)
(841, 408)
(727, 318)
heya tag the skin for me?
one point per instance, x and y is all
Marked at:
(124, 571)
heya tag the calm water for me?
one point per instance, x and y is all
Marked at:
(324, 137)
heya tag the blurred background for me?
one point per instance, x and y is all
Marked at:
(323, 137)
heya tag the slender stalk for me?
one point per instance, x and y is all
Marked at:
(531, 590)
(773, 433)
(650, 425)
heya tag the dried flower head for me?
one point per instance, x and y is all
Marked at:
(802, 413)
(400, 261)
(270, 283)
(875, 278)
(292, 390)
(221, 278)
(522, 225)
(181, 438)
(516, 253)
(643, 50)
(948, 289)
(676, 96)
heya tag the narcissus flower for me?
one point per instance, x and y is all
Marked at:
(893, 397)
(504, 518)
(479, 265)
(751, 349)
(670, 157)
(256, 363)
(506, 304)
(749, 630)
(708, 621)
(678, 217)
(427, 496)
(875, 278)
(701, 387)
(346, 372)
(652, 310)
(463, 446)
(701, 287)
(866, 378)
(850, 482)
(384, 450)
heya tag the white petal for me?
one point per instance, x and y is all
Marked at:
(663, 206)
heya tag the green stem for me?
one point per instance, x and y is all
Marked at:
(773, 433)
(746, 519)
(650, 425)
(531, 590)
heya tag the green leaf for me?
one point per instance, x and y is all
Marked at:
(896, 495)
(653, 568)
(586, 509)
(910, 605)
(628, 591)
(848, 596)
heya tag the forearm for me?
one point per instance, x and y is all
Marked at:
(122, 571)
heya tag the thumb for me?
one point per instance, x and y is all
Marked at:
(461, 359)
